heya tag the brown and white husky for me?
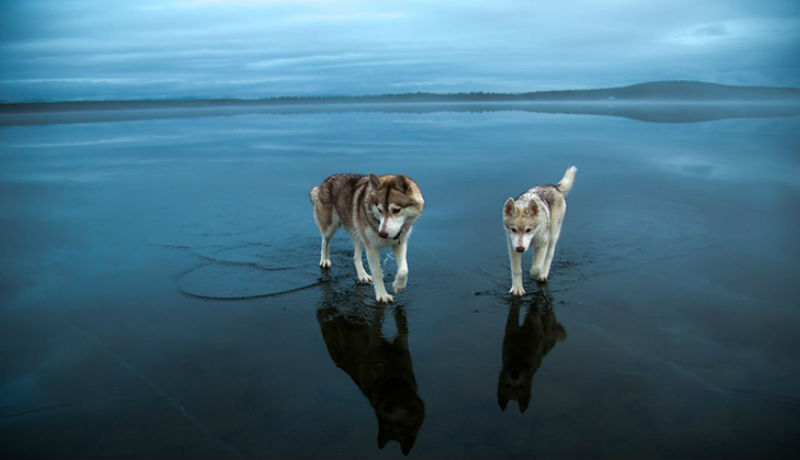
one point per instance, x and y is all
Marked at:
(535, 218)
(377, 212)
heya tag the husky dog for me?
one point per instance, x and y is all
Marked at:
(377, 212)
(535, 217)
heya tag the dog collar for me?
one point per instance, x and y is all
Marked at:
(398, 234)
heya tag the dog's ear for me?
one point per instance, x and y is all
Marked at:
(373, 180)
(508, 208)
(502, 400)
(533, 208)
(406, 443)
(383, 436)
(523, 403)
(402, 183)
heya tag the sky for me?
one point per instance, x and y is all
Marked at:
(162, 49)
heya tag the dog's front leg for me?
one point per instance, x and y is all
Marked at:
(551, 249)
(374, 261)
(516, 272)
(537, 267)
(401, 278)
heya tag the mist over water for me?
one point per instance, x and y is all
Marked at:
(161, 295)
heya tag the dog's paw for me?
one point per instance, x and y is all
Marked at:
(384, 298)
(541, 278)
(325, 263)
(399, 283)
(518, 291)
(364, 279)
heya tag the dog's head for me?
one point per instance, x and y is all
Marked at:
(395, 201)
(521, 222)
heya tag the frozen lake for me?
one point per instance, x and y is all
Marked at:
(161, 296)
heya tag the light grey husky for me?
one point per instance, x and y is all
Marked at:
(535, 218)
(377, 212)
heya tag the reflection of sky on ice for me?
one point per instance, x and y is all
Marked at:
(672, 302)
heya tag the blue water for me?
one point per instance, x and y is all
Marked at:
(161, 298)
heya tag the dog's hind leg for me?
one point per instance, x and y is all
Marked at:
(555, 232)
(328, 222)
(551, 249)
(363, 276)
(539, 254)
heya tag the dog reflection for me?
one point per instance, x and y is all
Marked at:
(524, 346)
(381, 368)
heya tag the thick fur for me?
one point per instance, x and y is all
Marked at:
(524, 347)
(534, 219)
(377, 212)
(382, 369)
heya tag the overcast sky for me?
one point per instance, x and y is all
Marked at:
(106, 49)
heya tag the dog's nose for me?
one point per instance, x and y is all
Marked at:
(383, 234)
(520, 249)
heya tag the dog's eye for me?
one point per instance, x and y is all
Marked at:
(513, 230)
(527, 230)
(396, 211)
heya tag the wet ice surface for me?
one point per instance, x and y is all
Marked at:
(668, 328)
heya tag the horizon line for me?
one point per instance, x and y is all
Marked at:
(333, 97)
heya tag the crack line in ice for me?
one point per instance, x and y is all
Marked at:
(36, 410)
(233, 263)
(143, 378)
(227, 262)
(248, 297)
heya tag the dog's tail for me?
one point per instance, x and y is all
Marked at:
(314, 195)
(565, 184)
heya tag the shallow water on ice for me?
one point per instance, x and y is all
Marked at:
(667, 328)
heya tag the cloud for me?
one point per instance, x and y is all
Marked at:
(257, 3)
(712, 30)
(343, 17)
(205, 48)
(314, 59)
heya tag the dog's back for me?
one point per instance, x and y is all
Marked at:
(554, 194)
(337, 194)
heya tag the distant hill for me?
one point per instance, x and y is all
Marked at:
(673, 90)
(694, 91)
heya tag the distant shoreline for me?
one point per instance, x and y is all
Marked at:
(679, 92)
(369, 105)
(648, 111)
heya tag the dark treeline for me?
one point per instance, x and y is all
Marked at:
(677, 91)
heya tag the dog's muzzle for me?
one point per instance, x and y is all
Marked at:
(384, 234)
(520, 249)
